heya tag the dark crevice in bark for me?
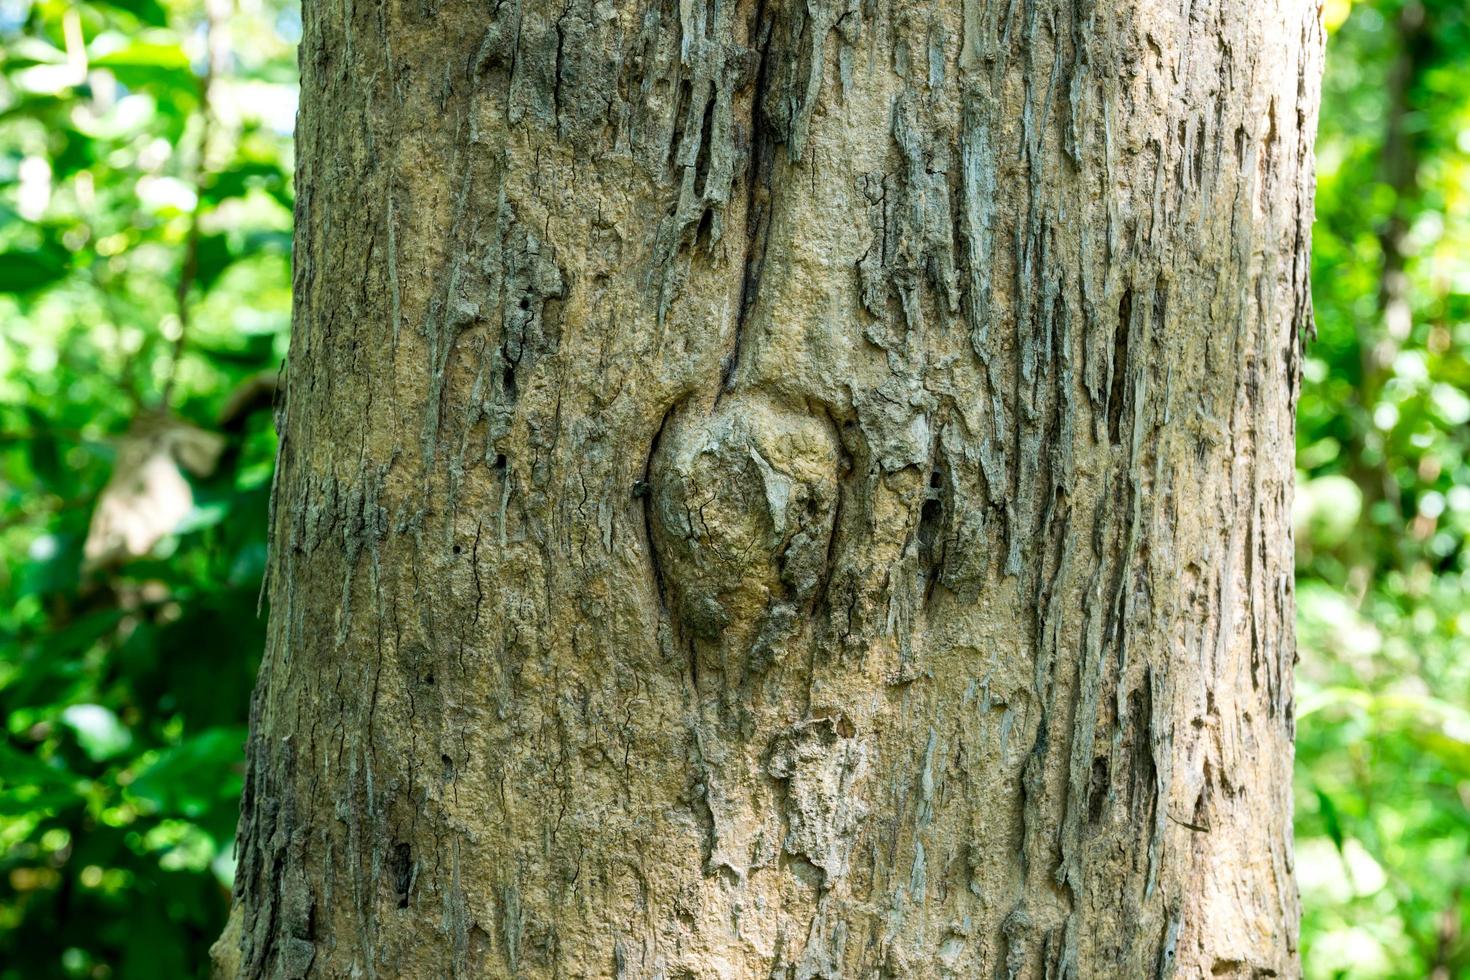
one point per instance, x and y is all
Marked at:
(402, 868)
(1161, 309)
(931, 532)
(821, 596)
(758, 199)
(1097, 789)
(1142, 787)
(702, 157)
(685, 95)
(644, 489)
(1118, 384)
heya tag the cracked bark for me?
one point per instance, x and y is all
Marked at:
(792, 490)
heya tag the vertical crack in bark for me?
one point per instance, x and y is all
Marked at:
(644, 489)
(757, 201)
(1118, 384)
(931, 532)
(821, 597)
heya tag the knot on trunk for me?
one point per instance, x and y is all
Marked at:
(743, 504)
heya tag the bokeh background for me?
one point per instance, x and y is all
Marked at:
(145, 217)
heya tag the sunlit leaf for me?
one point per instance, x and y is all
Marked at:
(98, 730)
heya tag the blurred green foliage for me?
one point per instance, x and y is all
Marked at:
(144, 301)
(1383, 503)
(145, 217)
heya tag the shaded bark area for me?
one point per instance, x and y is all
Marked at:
(786, 489)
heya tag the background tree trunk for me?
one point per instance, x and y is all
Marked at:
(786, 489)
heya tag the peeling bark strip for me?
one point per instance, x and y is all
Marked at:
(786, 489)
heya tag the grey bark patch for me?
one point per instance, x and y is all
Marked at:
(823, 808)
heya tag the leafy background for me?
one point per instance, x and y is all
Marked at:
(145, 214)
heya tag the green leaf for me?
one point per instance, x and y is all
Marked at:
(147, 11)
(238, 180)
(162, 67)
(145, 54)
(57, 567)
(19, 768)
(1331, 821)
(211, 259)
(42, 449)
(194, 776)
(218, 252)
(29, 270)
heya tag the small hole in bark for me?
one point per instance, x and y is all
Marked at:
(705, 228)
(500, 462)
(402, 865)
(458, 549)
(929, 525)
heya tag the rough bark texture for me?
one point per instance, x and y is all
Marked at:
(786, 488)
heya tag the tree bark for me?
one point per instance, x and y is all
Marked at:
(786, 489)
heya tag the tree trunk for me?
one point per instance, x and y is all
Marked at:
(786, 489)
